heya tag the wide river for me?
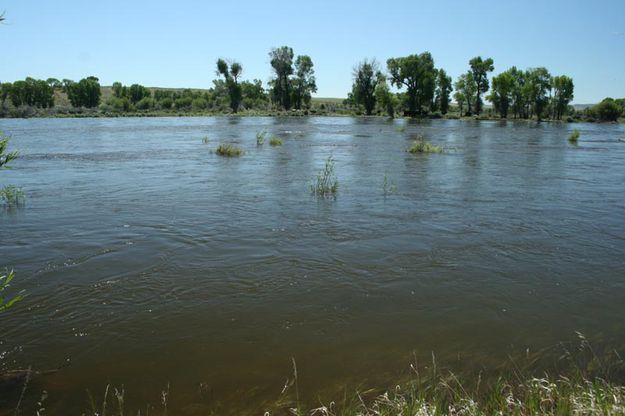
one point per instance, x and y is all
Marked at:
(149, 260)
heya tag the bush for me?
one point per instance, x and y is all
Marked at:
(199, 104)
(574, 136)
(229, 150)
(421, 146)
(183, 103)
(326, 183)
(146, 103)
(275, 141)
(166, 103)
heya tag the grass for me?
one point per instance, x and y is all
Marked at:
(12, 196)
(400, 129)
(421, 146)
(5, 283)
(388, 187)
(326, 182)
(574, 136)
(205, 140)
(229, 150)
(275, 141)
(260, 138)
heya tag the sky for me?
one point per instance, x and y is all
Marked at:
(176, 44)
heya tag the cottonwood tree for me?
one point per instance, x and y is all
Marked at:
(386, 100)
(465, 91)
(562, 94)
(443, 91)
(502, 92)
(537, 85)
(231, 75)
(84, 93)
(417, 74)
(366, 75)
(304, 82)
(480, 69)
(282, 65)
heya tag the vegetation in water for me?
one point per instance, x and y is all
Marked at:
(5, 282)
(574, 136)
(400, 129)
(326, 182)
(421, 146)
(12, 196)
(275, 141)
(260, 138)
(229, 150)
(205, 140)
(388, 187)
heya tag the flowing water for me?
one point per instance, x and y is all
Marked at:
(149, 260)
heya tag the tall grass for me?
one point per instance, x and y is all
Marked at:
(229, 150)
(12, 196)
(326, 182)
(260, 138)
(574, 136)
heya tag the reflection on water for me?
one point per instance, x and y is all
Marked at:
(149, 260)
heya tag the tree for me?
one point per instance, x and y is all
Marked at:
(304, 83)
(443, 90)
(518, 97)
(31, 92)
(231, 75)
(465, 91)
(85, 93)
(480, 69)
(54, 83)
(563, 94)
(137, 93)
(282, 65)
(501, 93)
(385, 98)
(418, 75)
(366, 75)
(254, 95)
(538, 83)
(607, 110)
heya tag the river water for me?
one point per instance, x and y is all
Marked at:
(149, 260)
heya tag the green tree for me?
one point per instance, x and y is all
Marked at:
(418, 75)
(385, 98)
(465, 91)
(480, 69)
(562, 95)
(231, 75)
(254, 95)
(501, 93)
(282, 65)
(54, 83)
(304, 83)
(607, 110)
(518, 96)
(85, 93)
(538, 83)
(137, 93)
(366, 75)
(443, 91)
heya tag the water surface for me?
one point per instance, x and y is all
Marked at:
(149, 260)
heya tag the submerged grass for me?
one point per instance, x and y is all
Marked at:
(260, 138)
(326, 183)
(421, 146)
(275, 141)
(229, 150)
(574, 136)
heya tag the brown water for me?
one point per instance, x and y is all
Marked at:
(149, 260)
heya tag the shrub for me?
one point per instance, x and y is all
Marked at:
(229, 150)
(607, 110)
(574, 136)
(421, 146)
(260, 138)
(275, 141)
(146, 103)
(12, 196)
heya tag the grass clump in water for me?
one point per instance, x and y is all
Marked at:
(205, 140)
(421, 146)
(400, 129)
(574, 136)
(275, 141)
(12, 196)
(326, 182)
(260, 138)
(229, 150)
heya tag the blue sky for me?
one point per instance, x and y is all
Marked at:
(176, 44)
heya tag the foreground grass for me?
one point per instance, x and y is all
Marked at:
(229, 150)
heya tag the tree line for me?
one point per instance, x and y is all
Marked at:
(411, 85)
